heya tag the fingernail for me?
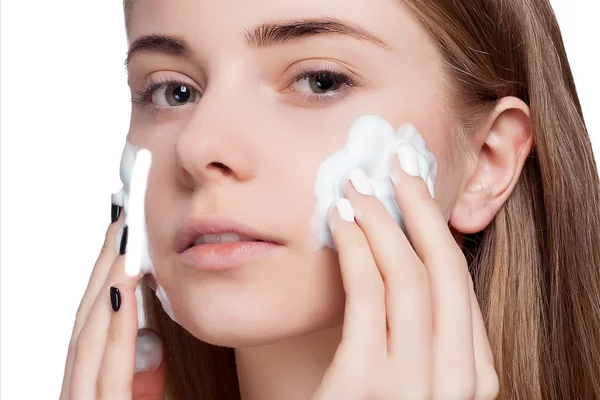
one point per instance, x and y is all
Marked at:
(408, 159)
(115, 298)
(123, 246)
(361, 183)
(148, 351)
(115, 212)
(430, 186)
(344, 209)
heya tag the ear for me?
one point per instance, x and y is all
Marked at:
(501, 147)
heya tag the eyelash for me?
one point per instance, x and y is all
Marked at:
(145, 95)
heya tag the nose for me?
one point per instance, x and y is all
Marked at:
(216, 144)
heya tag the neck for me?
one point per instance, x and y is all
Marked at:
(290, 369)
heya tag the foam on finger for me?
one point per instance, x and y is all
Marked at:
(134, 176)
(139, 182)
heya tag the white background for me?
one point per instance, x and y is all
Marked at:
(65, 113)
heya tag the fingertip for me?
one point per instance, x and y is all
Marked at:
(111, 235)
(115, 298)
(122, 295)
(344, 209)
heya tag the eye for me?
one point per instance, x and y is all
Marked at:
(168, 93)
(322, 84)
(174, 94)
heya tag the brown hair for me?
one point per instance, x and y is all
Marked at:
(536, 266)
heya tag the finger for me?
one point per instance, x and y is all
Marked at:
(364, 330)
(99, 273)
(97, 278)
(115, 379)
(405, 279)
(448, 276)
(150, 368)
(487, 384)
(126, 271)
(92, 339)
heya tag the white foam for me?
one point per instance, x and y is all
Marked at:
(370, 143)
(123, 198)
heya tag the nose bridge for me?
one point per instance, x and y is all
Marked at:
(216, 142)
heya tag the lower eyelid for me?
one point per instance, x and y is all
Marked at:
(316, 100)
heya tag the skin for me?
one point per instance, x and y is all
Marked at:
(306, 324)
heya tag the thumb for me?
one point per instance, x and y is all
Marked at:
(150, 367)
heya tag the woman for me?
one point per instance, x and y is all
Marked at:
(495, 296)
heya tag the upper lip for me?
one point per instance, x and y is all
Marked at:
(194, 227)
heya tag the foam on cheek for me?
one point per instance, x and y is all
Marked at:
(371, 141)
(122, 198)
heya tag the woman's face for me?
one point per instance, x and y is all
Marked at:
(242, 133)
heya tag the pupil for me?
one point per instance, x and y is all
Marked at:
(181, 94)
(322, 82)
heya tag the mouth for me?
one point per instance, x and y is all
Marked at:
(217, 230)
(223, 238)
(218, 243)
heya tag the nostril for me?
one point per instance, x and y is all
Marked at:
(221, 166)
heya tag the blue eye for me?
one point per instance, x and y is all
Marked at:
(169, 93)
(317, 85)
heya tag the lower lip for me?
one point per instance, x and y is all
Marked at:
(207, 257)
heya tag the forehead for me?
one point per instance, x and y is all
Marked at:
(207, 22)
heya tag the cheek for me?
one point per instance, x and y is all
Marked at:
(262, 304)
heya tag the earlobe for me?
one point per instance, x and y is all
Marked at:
(502, 145)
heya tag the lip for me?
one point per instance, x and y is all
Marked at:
(213, 257)
(194, 227)
(222, 255)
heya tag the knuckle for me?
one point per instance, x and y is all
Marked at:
(106, 246)
(80, 317)
(363, 277)
(488, 387)
(458, 260)
(110, 238)
(105, 388)
(411, 275)
(457, 390)
(460, 394)
(370, 286)
(458, 265)
(82, 346)
(72, 346)
(415, 389)
(112, 336)
(418, 277)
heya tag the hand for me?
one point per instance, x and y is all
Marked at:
(101, 360)
(412, 327)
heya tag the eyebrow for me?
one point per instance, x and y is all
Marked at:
(263, 36)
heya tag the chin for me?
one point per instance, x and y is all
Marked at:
(246, 330)
(236, 323)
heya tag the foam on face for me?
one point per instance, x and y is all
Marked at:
(370, 143)
(124, 199)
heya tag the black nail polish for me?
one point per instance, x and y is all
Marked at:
(115, 212)
(123, 246)
(115, 298)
